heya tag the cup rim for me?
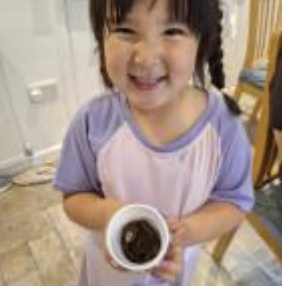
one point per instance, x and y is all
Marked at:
(165, 238)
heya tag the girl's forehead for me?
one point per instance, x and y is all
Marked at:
(150, 8)
(130, 10)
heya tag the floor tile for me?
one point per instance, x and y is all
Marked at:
(31, 279)
(248, 260)
(72, 235)
(208, 273)
(21, 229)
(19, 200)
(255, 278)
(34, 227)
(53, 261)
(16, 263)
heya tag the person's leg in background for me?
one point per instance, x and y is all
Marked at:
(278, 140)
(276, 109)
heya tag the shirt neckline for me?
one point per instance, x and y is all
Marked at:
(180, 142)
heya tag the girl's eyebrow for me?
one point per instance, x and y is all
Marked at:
(114, 21)
(110, 22)
(173, 21)
(129, 19)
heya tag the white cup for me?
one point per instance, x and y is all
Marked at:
(128, 214)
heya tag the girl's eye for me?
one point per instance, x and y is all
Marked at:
(175, 32)
(124, 31)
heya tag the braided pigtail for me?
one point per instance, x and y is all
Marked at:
(215, 61)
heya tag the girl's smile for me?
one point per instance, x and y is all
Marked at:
(147, 84)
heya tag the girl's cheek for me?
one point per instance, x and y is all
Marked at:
(117, 55)
(181, 58)
(182, 62)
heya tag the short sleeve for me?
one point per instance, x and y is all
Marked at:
(77, 169)
(234, 184)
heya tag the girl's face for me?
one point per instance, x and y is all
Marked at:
(149, 58)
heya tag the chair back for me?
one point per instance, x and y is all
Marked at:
(264, 157)
(265, 17)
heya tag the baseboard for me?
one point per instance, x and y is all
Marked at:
(21, 163)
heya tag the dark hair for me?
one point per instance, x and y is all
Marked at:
(203, 17)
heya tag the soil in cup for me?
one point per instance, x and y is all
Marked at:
(140, 241)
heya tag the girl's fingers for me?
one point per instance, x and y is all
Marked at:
(174, 225)
(167, 271)
(113, 263)
(171, 266)
(164, 276)
(174, 254)
(179, 238)
(178, 231)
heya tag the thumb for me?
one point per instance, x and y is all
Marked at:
(174, 225)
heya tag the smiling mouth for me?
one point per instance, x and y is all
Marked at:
(146, 84)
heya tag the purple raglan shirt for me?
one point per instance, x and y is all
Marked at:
(105, 152)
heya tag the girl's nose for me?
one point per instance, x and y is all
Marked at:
(146, 54)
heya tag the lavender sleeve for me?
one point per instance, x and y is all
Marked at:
(234, 184)
(77, 169)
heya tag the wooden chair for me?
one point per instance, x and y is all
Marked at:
(265, 17)
(264, 158)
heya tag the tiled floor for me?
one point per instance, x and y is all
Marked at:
(39, 246)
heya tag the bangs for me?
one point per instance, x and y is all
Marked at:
(117, 11)
(188, 12)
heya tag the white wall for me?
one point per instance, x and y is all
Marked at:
(235, 35)
(11, 141)
(42, 40)
(82, 46)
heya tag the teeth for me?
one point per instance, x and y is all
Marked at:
(147, 80)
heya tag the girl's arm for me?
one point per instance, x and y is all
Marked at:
(89, 210)
(209, 222)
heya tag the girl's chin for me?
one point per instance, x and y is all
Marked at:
(145, 105)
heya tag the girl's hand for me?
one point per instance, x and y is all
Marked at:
(111, 208)
(179, 230)
(113, 263)
(171, 266)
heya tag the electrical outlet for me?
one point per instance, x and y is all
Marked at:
(43, 91)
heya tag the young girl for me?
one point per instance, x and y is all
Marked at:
(157, 136)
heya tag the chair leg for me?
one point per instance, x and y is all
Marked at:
(237, 93)
(255, 111)
(261, 151)
(222, 245)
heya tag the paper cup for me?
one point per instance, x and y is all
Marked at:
(131, 213)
